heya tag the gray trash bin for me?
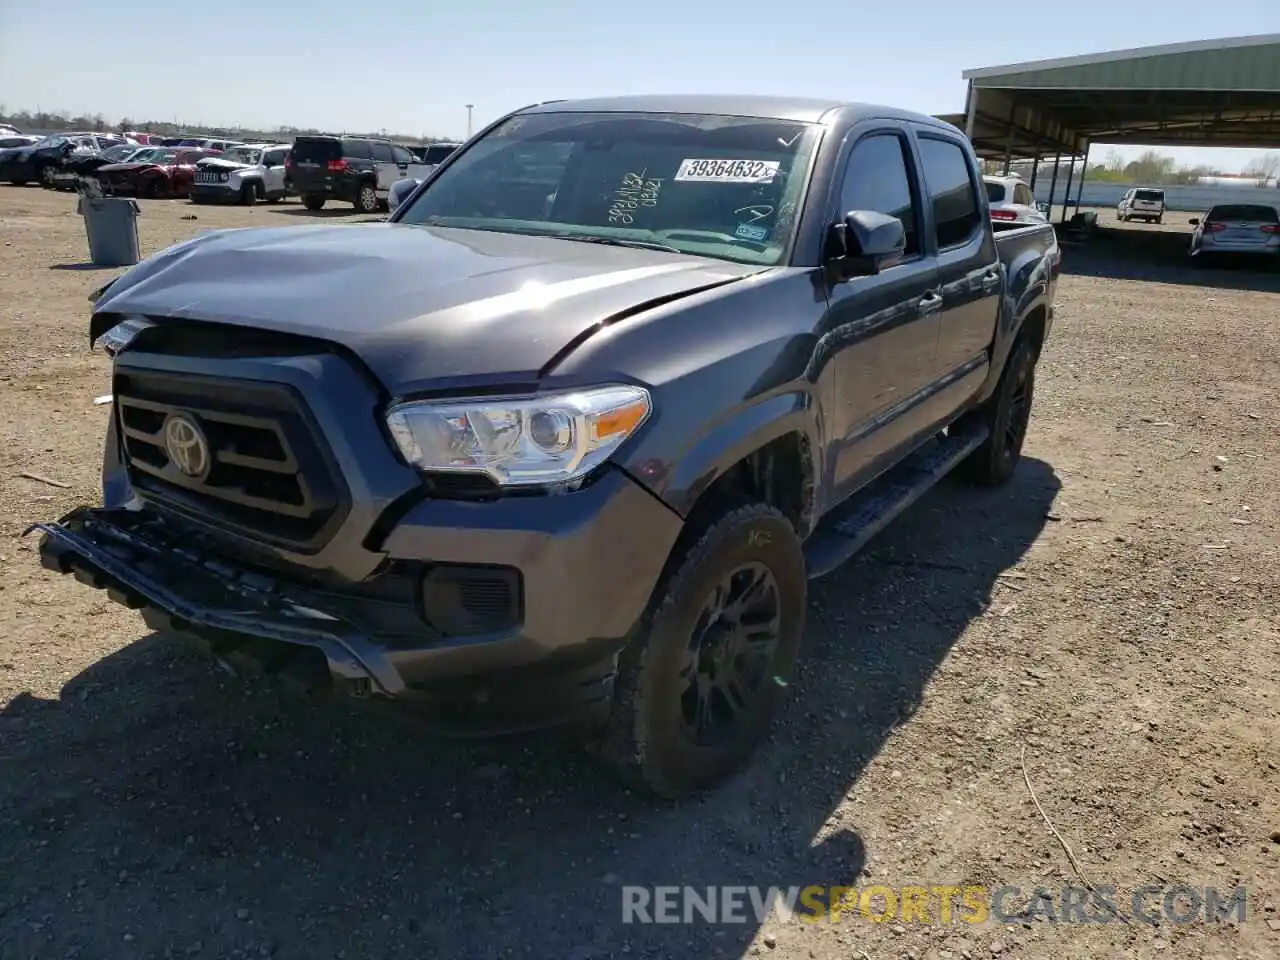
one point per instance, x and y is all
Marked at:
(111, 224)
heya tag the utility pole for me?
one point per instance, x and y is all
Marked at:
(470, 106)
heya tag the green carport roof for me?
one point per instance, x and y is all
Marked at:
(1223, 93)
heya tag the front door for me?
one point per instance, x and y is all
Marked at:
(273, 170)
(880, 332)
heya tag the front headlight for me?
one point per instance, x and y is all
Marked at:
(519, 441)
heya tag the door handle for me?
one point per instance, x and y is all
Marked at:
(990, 280)
(930, 303)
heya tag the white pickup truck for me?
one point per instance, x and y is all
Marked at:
(244, 174)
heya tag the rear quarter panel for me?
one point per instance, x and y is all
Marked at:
(1031, 260)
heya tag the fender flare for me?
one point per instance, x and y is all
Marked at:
(732, 439)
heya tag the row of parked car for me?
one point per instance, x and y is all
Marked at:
(356, 170)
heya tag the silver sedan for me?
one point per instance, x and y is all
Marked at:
(1237, 228)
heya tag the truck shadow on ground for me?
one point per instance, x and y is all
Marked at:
(159, 808)
(1161, 257)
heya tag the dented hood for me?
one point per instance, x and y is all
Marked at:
(421, 306)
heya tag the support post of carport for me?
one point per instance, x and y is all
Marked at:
(1066, 194)
(1008, 140)
(1084, 171)
(1053, 184)
(970, 111)
(1035, 167)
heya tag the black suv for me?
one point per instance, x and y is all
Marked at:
(358, 170)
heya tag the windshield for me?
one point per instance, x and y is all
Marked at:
(995, 192)
(243, 155)
(714, 186)
(55, 141)
(118, 152)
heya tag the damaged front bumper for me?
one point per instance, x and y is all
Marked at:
(183, 592)
(254, 620)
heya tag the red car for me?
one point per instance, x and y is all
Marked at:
(157, 172)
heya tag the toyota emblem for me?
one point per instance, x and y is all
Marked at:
(186, 445)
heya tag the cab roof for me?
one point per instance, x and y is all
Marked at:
(798, 109)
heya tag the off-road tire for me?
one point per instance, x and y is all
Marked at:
(313, 201)
(645, 739)
(248, 195)
(366, 200)
(1007, 414)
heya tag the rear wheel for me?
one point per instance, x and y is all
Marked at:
(366, 200)
(1007, 414)
(700, 682)
(313, 201)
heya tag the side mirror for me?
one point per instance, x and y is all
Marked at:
(1042, 206)
(1194, 221)
(400, 190)
(866, 243)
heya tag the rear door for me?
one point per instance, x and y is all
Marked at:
(311, 159)
(969, 273)
(883, 328)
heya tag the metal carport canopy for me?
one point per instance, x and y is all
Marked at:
(1222, 93)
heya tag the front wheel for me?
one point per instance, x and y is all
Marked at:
(698, 685)
(1007, 414)
(248, 195)
(47, 174)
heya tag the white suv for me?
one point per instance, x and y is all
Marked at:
(1141, 203)
(244, 174)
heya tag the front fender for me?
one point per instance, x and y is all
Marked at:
(728, 441)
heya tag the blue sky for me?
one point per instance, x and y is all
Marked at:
(411, 65)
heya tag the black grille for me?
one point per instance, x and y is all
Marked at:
(270, 474)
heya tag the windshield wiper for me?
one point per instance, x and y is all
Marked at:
(617, 242)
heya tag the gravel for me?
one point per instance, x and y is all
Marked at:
(1108, 610)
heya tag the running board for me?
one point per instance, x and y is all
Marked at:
(849, 527)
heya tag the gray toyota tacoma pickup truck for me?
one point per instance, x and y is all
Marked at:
(565, 440)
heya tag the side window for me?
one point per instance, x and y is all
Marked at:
(273, 158)
(876, 179)
(402, 155)
(951, 191)
(1023, 196)
(382, 152)
(357, 150)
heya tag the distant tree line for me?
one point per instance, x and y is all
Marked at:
(1156, 168)
(62, 120)
(1150, 167)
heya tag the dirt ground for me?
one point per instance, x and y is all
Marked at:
(1114, 613)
